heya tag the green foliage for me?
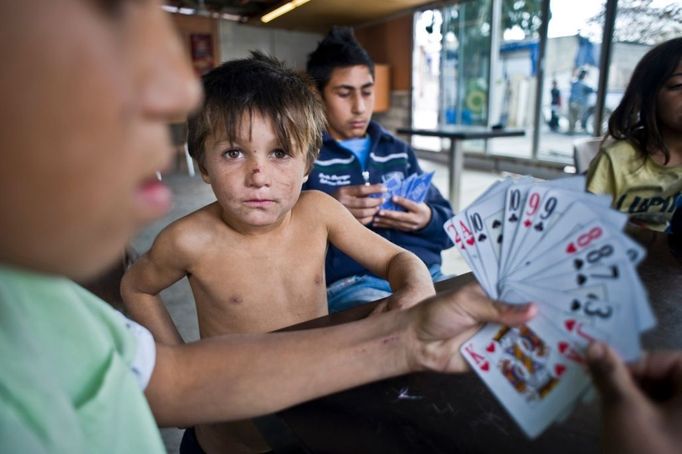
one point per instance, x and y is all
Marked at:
(638, 21)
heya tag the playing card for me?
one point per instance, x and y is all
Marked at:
(526, 371)
(572, 221)
(415, 187)
(417, 192)
(392, 185)
(613, 246)
(485, 219)
(462, 235)
(583, 317)
(552, 205)
(545, 200)
(513, 204)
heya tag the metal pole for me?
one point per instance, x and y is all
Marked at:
(456, 163)
(494, 56)
(540, 81)
(604, 63)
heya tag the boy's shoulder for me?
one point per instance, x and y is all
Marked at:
(316, 204)
(314, 197)
(193, 231)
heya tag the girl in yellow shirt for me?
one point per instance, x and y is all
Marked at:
(641, 168)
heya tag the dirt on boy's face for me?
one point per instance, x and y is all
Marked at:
(86, 100)
(256, 180)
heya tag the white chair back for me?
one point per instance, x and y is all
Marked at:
(584, 151)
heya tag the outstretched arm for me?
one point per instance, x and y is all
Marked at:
(409, 278)
(243, 376)
(156, 270)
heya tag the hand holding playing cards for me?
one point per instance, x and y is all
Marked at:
(416, 216)
(356, 199)
(551, 243)
(446, 320)
(642, 404)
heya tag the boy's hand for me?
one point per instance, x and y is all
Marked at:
(356, 199)
(641, 404)
(417, 216)
(441, 324)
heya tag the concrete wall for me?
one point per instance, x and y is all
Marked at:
(237, 40)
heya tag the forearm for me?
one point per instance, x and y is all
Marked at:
(149, 311)
(242, 376)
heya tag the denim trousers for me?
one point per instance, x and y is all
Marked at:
(354, 290)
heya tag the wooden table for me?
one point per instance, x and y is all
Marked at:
(458, 134)
(437, 413)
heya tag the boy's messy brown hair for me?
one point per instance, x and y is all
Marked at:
(259, 84)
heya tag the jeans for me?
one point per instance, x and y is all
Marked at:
(363, 288)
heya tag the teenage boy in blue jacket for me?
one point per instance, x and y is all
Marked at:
(356, 158)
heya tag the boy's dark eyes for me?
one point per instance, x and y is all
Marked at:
(280, 154)
(232, 153)
(346, 94)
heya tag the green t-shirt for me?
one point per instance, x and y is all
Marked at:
(72, 371)
(644, 189)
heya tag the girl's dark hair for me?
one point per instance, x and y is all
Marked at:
(264, 85)
(635, 118)
(339, 49)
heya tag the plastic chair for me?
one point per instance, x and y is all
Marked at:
(584, 151)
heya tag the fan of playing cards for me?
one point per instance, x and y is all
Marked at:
(414, 187)
(555, 245)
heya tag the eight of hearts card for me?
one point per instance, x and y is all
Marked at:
(550, 243)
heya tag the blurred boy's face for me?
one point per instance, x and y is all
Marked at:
(86, 100)
(349, 102)
(669, 103)
(255, 180)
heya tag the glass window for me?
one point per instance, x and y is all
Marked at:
(514, 81)
(571, 76)
(426, 61)
(466, 63)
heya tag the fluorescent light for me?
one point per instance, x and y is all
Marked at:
(190, 11)
(274, 14)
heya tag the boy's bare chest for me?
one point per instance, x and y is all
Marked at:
(262, 287)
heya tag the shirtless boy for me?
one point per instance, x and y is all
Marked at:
(255, 257)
